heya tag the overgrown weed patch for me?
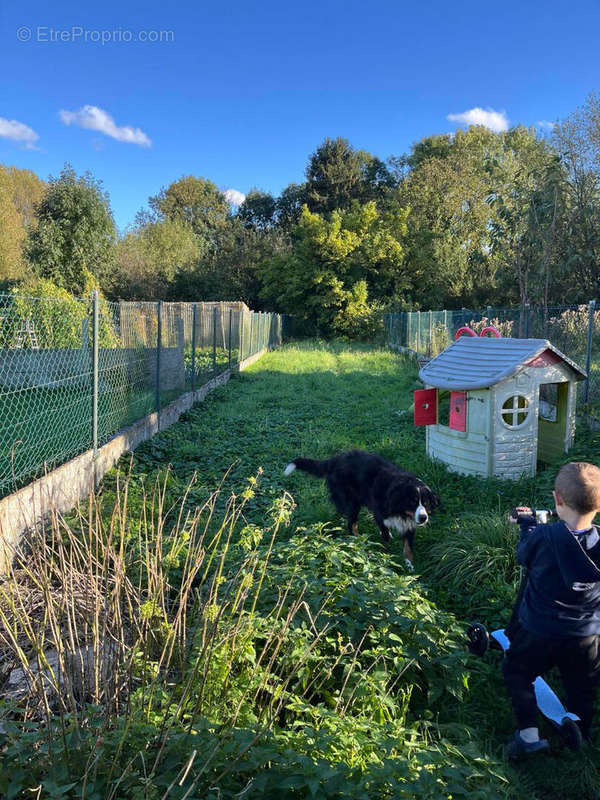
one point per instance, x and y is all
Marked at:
(312, 665)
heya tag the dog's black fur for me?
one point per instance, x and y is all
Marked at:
(356, 478)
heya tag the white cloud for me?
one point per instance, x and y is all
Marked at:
(93, 118)
(18, 132)
(496, 121)
(543, 123)
(234, 197)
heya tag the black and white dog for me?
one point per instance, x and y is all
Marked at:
(398, 499)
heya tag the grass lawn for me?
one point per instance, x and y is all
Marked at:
(317, 399)
(423, 718)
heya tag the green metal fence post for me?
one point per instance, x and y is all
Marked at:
(158, 354)
(408, 331)
(214, 341)
(588, 357)
(194, 316)
(95, 337)
(521, 328)
(259, 338)
(527, 320)
(241, 319)
(418, 331)
(446, 321)
(429, 335)
(230, 319)
(251, 332)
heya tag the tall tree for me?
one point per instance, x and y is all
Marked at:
(342, 268)
(525, 184)
(27, 192)
(333, 176)
(484, 207)
(577, 141)
(196, 201)
(437, 146)
(12, 233)
(289, 205)
(151, 256)
(258, 210)
(20, 192)
(75, 232)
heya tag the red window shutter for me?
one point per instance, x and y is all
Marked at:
(425, 406)
(458, 411)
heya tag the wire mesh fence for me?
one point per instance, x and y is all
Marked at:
(573, 329)
(73, 372)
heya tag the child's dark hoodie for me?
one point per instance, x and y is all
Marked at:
(562, 593)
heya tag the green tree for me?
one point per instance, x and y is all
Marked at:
(27, 193)
(75, 232)
(526, 182)
(577, 141)
(340, 269)
(483, 215)
(289, 205)
(12, 233)
(258, 210)
(151, 256)
(20, 192)
(439, 147)
(231, 271)
(333, 176)
(338, 175)
(195, 201)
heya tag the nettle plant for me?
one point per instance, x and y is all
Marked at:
(178, 651)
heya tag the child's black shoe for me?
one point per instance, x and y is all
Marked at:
(518, 747)
(570, 733)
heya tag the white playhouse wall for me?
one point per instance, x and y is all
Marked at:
(488, 447)
(514, 452)
(467, 452)
(491, 371)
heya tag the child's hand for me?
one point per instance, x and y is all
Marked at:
(513, 516)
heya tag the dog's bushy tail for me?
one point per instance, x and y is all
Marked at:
(310, 465)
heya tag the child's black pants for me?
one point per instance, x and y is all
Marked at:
(529, 655)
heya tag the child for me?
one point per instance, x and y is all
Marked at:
(557, 622)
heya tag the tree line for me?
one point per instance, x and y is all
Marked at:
(470, 219)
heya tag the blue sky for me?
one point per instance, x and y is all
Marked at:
(242, 92)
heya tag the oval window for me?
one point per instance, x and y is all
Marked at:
(515, 411)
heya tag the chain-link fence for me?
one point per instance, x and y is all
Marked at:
(574, 330)
(73, 372)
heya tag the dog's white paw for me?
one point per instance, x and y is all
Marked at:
(289, 469)
(409, 565)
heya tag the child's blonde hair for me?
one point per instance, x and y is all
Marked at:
(578, 484)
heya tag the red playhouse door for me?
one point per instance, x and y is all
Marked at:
(458, 411)
(425, 407)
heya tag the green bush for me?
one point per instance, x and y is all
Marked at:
(55, 316)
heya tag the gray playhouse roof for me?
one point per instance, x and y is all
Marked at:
(478, 362)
